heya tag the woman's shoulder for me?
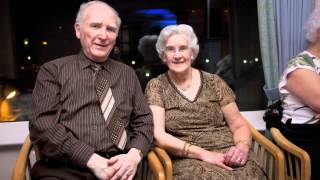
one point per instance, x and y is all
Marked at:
(302, 59)
(209, 77)
(158, 81)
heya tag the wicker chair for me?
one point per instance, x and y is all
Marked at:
(298, 164)
(29, 154)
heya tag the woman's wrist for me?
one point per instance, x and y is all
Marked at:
(243, 144)
(243, 141)
(197, 152)
(186, 149)
(192, 151)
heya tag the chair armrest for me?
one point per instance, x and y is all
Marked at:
(288, 146)
(269, 154)
(21, 164)
(166, 162)
(155, 166)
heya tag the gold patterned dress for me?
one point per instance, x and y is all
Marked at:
(200, 122)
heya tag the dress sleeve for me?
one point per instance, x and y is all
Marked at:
(153, 93)
(223, 92)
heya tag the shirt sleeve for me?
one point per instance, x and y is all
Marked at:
(153, 93)
(223, 92)
(53, 138)
(298, 62)
(141, 124)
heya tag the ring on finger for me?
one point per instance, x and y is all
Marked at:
(126, 173)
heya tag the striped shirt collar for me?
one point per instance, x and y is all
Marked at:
(85, 62)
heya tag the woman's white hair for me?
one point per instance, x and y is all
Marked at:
(312, 25)
(171, 30)
(85, 5)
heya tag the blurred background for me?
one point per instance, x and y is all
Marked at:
(35, 32)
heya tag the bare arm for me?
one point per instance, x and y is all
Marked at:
(236, 123)
(242, 137)
(301, 81)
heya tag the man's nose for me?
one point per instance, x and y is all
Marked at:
(103, 34)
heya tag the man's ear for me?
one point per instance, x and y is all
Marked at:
(77, 29)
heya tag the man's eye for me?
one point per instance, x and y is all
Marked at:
(111, 29)
(94, 25)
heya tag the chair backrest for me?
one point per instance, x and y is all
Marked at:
(27, 156)
(298, 164)
(269, 154)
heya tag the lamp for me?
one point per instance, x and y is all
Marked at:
(5, 110)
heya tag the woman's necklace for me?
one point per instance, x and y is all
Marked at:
(182, 89)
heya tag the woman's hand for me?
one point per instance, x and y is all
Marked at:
(216, 159)
(237, 156)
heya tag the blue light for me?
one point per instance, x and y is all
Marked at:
(165, 13)
(164, 23)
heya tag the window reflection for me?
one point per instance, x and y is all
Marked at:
(228, 39)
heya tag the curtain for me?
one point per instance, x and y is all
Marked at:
(291, 16)
(268, 46)
(281, 36)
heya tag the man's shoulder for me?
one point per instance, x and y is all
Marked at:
(116, 65)
(58, 62)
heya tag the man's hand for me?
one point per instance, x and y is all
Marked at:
(101, 167)
(126, 164)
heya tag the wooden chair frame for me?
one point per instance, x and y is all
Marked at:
(21, 170)
(298, 164)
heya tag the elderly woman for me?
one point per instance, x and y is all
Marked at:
(195, 115)
(300, 91)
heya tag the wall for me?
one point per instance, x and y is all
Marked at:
(12, 135)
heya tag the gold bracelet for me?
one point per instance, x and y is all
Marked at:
(184, 149)
(188, 149)
(245, 142)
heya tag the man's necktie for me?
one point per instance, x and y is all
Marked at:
(107, 104)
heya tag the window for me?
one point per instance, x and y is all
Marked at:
(37, 33)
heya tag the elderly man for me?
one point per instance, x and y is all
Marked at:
(90, 117)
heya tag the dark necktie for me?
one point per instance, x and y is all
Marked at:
(107, 104)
